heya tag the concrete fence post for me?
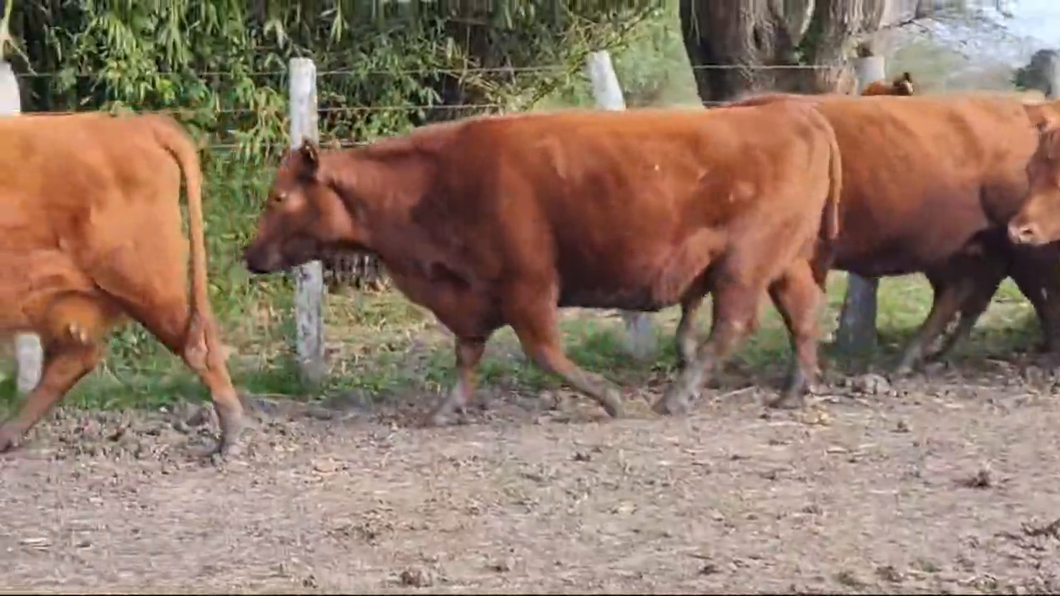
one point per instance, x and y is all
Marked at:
(29, 354)
(857, 322)
(309, 278)
(608, 95)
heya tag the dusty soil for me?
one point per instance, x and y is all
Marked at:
(948, 485)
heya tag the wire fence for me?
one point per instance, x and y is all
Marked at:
(367, 111)
(554, 68)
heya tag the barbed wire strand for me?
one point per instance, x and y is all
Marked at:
(189, 112)
(428, 71)
(323, 110)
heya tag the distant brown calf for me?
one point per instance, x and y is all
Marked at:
(498, 221)
(902, 85)
(90, 232)
(1038, 221)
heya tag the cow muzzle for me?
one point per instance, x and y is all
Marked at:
(260, 261)
(1025, 233)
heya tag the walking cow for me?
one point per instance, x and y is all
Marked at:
(90, 233)
(929, 185)
(494, 221)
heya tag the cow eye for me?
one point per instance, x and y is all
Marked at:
(279, 197)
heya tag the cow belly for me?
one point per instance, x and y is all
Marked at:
(29, 282)
(641, 282)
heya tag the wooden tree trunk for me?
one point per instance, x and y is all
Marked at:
(744, 36)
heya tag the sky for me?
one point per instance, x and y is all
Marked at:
(1039, 19)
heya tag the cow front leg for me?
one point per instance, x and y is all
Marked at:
(65, 363)
(468, 354)
(970, 312)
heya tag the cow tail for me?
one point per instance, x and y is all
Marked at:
(830, 216)
(829, 230)
(177, 142)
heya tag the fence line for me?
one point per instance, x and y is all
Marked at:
(560, 68)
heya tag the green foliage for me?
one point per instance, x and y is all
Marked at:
(651, 65)
(1039, 73)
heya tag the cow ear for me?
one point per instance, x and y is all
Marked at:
(310, 154)
(1041, 116)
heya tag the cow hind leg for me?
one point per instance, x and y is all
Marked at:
(188, 337)
(798, 298)
(735, 310)
(536, 324)
(685, 336)
(72, 329)
(468, 354)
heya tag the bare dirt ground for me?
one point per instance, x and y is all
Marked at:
(949, 485)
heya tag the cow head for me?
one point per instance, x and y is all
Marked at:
(1038, 220)
(903, 85)
(304, 216)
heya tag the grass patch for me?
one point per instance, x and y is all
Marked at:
(380, 344)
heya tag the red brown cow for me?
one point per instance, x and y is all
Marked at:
(90, 233)
(901, 86)
(1038, 221)
(501, 220)
(929, 186)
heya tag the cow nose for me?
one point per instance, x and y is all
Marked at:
(1023, 233)
(252, 262)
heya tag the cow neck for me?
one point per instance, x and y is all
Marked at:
(382, 190)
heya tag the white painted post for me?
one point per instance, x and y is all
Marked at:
(29, 355)
(608, 95)
(309, 278)
(1052, 92)
(857, 322)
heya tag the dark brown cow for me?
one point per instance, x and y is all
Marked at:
(500, 220)
(90, 232)
(1038, 221)
(900, 86)
(929, 186)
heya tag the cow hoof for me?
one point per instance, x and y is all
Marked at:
(670, 406)
(786, 401)
(226, 451)
(8, 439)
(612, 404)
(903, 370)
(444, 415)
